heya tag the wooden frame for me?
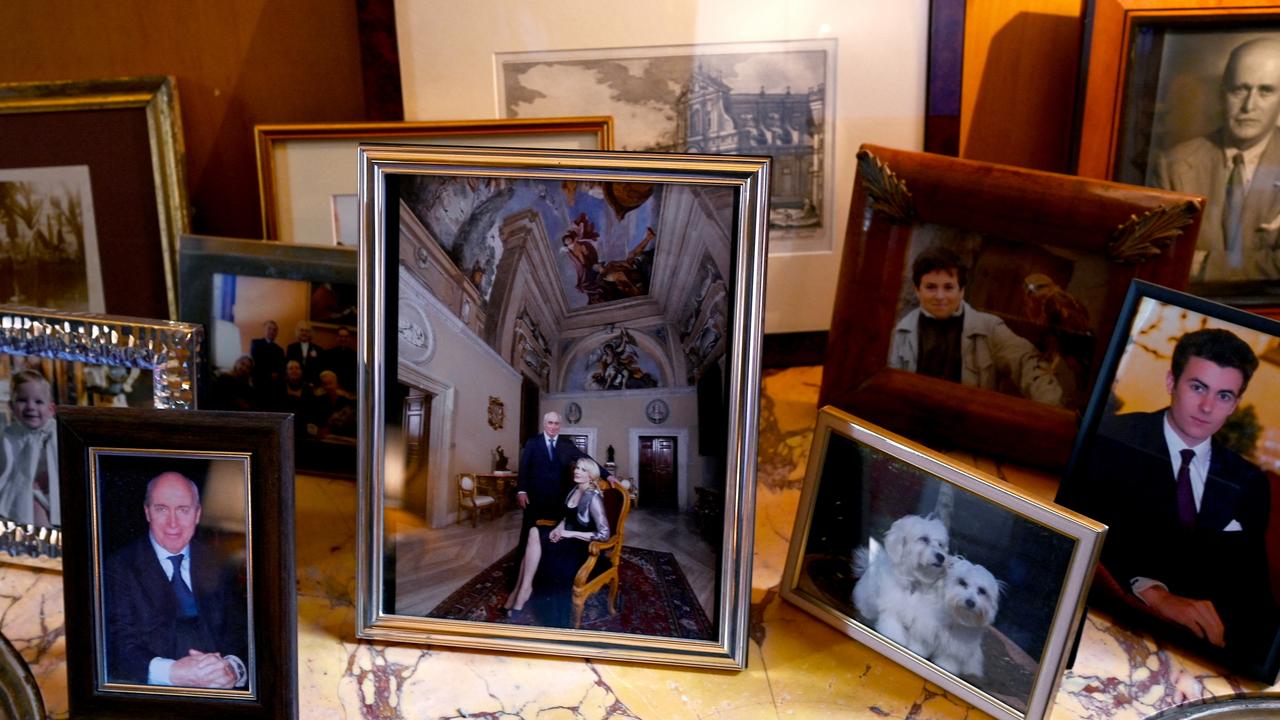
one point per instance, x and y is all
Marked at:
(205, 258)
(1121, 457)
(1125, 122)
(433, 327)
(169, 350)
(860, 482)
(128, 131)
(247, 522)
(1043, 220)
(313, 156)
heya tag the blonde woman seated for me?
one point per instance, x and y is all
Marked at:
(553, 556)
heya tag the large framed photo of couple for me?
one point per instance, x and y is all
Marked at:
(1175, 92)
(178, 571)
(975, 299)
(501, 287)
(1179, 444)
(950, 573)
(52, 360)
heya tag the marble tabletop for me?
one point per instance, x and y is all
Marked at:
(798, 667)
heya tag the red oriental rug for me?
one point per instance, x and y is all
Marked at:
(654, 599)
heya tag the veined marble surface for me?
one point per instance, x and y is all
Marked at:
(798, 667)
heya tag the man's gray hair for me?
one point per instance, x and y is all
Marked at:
(550, 414)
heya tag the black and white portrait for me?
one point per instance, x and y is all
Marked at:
(48, 239)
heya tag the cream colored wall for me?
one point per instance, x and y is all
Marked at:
(261, 299)
(615, 414)
(473, 372)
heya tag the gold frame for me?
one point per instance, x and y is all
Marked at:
(1087, 534)
(158, 97)
(268, 139)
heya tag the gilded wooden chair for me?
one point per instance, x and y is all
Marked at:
(471, 501)
(603, 558)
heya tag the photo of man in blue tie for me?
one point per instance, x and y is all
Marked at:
(171, 617)
(545, 478)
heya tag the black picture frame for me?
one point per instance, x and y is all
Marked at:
(1111, 461)
(262, 442)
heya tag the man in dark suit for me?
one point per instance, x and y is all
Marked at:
(546, 467)
(1187, 515)
(309, 355)
(171, 617)
(268, 362)
(1237, 167)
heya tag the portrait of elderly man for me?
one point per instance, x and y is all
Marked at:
(947, 338)
(172, 616)
(1237, 168)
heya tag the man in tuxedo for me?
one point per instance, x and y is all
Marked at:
(1237, 167)
(1187, 515)
(171, 617)
(546, 468)
(268, 362)
(309, 355)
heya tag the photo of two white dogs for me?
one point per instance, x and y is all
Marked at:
(914, 591)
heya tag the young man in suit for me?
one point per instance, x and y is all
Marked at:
(1187, 515)
(171, 617)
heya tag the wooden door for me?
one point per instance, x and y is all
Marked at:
(658, 482)
(416, 429)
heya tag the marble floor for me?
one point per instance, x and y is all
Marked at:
(431, 563)
(797, 666)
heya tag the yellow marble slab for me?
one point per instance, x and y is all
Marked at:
(797, 668)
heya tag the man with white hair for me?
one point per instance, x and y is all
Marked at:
(1237, 167)
(546, 465)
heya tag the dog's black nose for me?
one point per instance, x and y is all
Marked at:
(939, 557)
(968, 602)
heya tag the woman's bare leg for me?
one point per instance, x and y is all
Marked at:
(528, 568)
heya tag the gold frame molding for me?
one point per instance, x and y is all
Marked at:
(158, 97)
(268, 138)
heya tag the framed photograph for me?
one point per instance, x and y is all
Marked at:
(51, 361)
(979, 297)
(1180, 443)
(92, 195)
(1174, 93)
(537, 279)
(948, 572)
(306, 172)
(640, 59)
(282, 337)
(179, 580)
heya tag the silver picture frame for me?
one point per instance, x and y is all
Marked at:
(169, 350)
(991, 615)
(420, 311)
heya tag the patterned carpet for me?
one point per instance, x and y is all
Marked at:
(654, 599)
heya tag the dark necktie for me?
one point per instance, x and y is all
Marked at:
(551, 448)
(1186, 497)
(1232, 211)
(181, 593)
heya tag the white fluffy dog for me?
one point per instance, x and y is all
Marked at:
(896, 588)
(970, 600)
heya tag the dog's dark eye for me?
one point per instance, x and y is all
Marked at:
(982, 591)
(963, 583)
(924, 539)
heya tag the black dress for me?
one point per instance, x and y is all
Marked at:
(553, 583)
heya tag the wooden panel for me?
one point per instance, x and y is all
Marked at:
(238, 63)
(1021, 61)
